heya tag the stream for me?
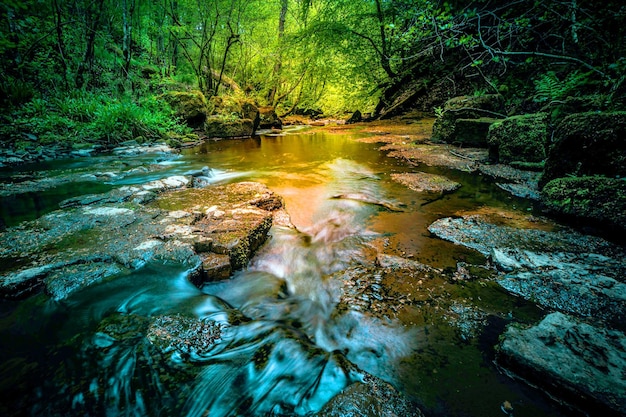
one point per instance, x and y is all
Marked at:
(286, 343)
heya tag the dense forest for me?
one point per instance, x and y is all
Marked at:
(99, 70)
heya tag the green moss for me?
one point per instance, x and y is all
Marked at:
(519, 138)
(191, 106)
(472, 132)
(596, 199)
(588, 144)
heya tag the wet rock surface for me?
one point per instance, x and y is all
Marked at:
(421, 182)
(131, 160)
(564, 270)
(99, 236)
(371, 397)
(578, 275)
(582, 363)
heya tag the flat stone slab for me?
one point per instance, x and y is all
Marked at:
(99, 236)
(467, 159)
(423, 182)
(565, 270)
(572, 357)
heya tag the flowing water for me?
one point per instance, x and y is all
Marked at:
(143, 343)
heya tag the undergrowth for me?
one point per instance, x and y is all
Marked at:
(91, 118)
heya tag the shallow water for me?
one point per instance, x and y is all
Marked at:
(285, 348)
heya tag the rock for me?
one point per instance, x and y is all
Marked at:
(529, 191)
(439, 155)
(191, 106)
(184, 335)
(232, 116)
(268, 119)
(63, 281)
(589, 200)
(355, 118)
(587, 284)
(465, 107)
(420, 182)
(371, 397)
(519, 182)
(215, 267)
(565, 270)
(519, 138)
(583, 364)
(471, 132)
(588, 144)
(83, 244)
(219, 127)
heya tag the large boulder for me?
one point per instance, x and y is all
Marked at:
(221, 127)
(582, 363)
(467, 108)
(191, 106)
(519, 138)
(594, 199)
(269, 119)
(232, 116)
(588, 144)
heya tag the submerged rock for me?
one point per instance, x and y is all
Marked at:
(185, 335)
(371, 397)
(581, 363)
(420, 182)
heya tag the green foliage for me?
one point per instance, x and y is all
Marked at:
(549, 87)
(96, 118)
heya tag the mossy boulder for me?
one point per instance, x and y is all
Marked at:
(487, 102)
(220, 127)
(599, 200)
(519, 139)
(268, 119)
(465, 107)
(588, 144)
(191, 106)
(232, 116)
(472, 132)
(559, 110)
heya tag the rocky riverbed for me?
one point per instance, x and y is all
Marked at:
(370, 290)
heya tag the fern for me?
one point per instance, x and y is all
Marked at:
(548, 87)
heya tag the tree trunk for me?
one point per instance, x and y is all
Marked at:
(58, 23)
(384, 47)
(127, 17)
(93, 12)
(271, 96)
